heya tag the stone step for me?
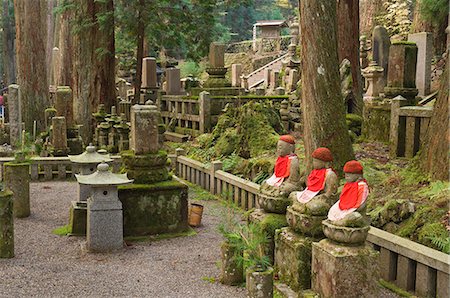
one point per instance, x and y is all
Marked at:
(175, 137)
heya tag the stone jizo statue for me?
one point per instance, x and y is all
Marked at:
(350, 209)
(286, 176)
(321, 186)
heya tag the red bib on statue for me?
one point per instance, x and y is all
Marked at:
(316, 180)
(349, 196)
(282, 166)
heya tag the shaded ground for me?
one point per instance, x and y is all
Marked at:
(49, 265)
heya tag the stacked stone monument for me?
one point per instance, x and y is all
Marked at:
(86, 164)
(293, 244)
(216, 69)
(273, 197)
(149, 87)
(155, 203)
(343, 265)
(402, 71)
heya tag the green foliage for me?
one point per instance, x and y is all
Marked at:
(191, 68)
(62, 231)
(437, 235)
(434, 11)
(436, 189)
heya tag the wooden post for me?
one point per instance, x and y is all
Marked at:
(204, 102)
(178, 152)
(215, 166)
(397, 102)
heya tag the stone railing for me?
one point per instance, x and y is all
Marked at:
(267, 45)
(408, 128)
(53, 168)
(234, 189)
(195, 115)
(410, 265)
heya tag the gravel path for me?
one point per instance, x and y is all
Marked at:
(54, 266)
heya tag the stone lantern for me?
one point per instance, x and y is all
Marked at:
(374, 76)
(104, 210)
(87, 164)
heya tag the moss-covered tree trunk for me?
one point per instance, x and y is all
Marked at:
(322, 105)
(63, 40)
(434, 156)
(348, 46)
(93, 62)
(9, 42)
(31, 41)
(139, 52)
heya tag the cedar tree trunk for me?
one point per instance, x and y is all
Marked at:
(322, 106)
(9, 40)
(31, 38)
(348, 46)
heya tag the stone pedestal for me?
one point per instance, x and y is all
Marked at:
(293, 258)
(156, 208)
(236, 73)
(373, 75)
(424, 42)
(304, 223)
(376, 121)
(232, 272)
(59, 136)
(74, 140)
(402, 71)
(259, 284)
(104, 231)
(78, 218)
(273, 204)
(269, 223)
(6, 225)
(344, 271)
(216, 69)
(17, 179)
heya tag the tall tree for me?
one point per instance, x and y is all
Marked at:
(434, 157)
(93, 61)
(9, 41)
(64, 40)
(322, 107)
(348, 46)
(31, 38)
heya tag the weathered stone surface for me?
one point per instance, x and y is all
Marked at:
(149, 72)
(157, 208)
(373, 75)
(273, 204)
(402, 71)
(104, 231)
(78, 218)
(232, 273)
(6, 225)
(344, 271)
(425, 280)
(259, 284)
(236, 72)
(217, 55)
(269, 223)
(381, 45)
(144, 134)
(346, 235)
(17, 179)
(173, 81)
(376, 121)
(443, 286)
(64, 104)
(59, 136)
(293, 258)
(15, 116)
(148, 168)
(405, 273)
(306, 224)
(424, 42)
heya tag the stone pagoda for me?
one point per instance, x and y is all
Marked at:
(156, 203)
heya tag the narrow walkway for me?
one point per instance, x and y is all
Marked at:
(58, 266)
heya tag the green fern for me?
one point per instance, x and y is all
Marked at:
(441, 242)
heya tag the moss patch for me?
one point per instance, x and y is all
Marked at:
(62, 231)
(394, 288)
(188, 233)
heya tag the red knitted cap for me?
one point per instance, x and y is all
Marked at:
(322, 153)
(288, 139)
(353, 167)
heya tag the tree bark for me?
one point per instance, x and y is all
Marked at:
(51, 4)
(434, 158)
(139, 53)
(9, 42)
(31, 37)
(369, 10)
(93, 62)
(348, 47)
(64, 41)
(322, 107)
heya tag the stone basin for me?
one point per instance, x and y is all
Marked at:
(346, 235)
(273, 204)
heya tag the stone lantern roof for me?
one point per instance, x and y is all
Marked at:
(90, 156)
(103, 177)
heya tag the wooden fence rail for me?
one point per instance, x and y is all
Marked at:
(408, 128)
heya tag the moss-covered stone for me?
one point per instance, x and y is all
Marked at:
(269, 223)
(232, 271)
(77, 218)
(376, 123)
(148, 168)
(156, 208)
(17, 179)
(293, 258)
(273, 204)
(6, 225)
